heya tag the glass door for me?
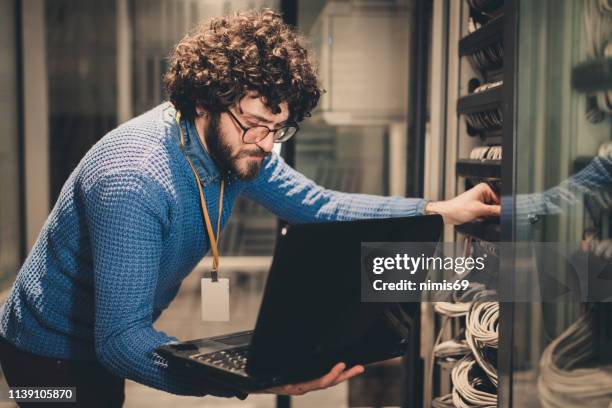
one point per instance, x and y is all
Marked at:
(357, 139)
(563, 185)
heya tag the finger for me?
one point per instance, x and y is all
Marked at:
(271, 390)
(487, 193)
(330, 377)
(319, 383)
(493, 198)
(352, 372)
(488, 210)
(302, 388)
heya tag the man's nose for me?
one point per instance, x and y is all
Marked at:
(267, 143)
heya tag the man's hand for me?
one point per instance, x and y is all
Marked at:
(334, 377)
(478, 202)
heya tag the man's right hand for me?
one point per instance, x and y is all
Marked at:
(478, 202)
(337, 375)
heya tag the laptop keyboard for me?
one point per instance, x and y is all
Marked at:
(233, 360)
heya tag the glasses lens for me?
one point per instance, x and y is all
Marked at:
(284, 134)
(255, 134)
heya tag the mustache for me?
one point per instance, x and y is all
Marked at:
(253, 153)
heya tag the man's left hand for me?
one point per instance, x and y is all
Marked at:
(337, 374)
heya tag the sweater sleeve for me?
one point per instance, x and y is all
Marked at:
(295, 198)
(125, 216)
(593, 182)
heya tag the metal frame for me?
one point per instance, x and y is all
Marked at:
(20, 129)
(35, 115)
(445, 128)
(506, 281)
(434, 141)
(418, 97)
(414, 365)
(412, 395)
(435, 151)
(289, 8)
(125, 60)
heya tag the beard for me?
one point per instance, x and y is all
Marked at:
(222, 153)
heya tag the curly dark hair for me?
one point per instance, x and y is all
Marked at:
(222, 59)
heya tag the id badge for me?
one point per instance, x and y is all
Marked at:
(215, 300)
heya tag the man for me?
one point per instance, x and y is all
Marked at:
(128, 226)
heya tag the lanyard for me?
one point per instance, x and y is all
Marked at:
(214, 239)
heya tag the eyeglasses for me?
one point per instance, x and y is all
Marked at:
(256, 134)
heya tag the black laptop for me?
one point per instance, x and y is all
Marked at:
(311, 316)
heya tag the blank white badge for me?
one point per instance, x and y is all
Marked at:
(215, 300)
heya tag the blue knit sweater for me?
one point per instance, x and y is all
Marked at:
(124, 233)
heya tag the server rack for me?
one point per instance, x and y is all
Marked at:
(472, 108)
(556, 78)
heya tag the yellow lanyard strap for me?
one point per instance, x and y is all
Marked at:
(214, 239)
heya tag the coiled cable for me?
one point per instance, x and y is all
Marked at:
(567, 377)
(445, 401)
(481, 334)
(470, 389)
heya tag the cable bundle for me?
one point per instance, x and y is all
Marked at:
(486, 153)
(489, 8)
(486, 120)
(474, 375)
(481, 334)
(598, 24)
(565, 379)
(488, 85)
(461, 303)
(489, 58)
(470, 389)
(452, 309)
(489, 119)
(445, 401)
(451, 350)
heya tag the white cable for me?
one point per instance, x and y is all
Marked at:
(445, 401)
(451, 349)
(605, 150)
(598, 24)
(481, 331)
(563, 380)
(452, 309)
(462, 301)
(488, 85)
(470, 391)
(605, 6)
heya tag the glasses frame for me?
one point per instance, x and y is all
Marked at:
(245, 129)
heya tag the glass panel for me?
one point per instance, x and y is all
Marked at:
(10, 235)
(561, 144)
(356, 140)
(81, 69)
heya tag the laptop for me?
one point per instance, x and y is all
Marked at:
(311, 316)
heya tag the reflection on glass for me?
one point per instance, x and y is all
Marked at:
(356, 140)
(81, 69)
(561, 355)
